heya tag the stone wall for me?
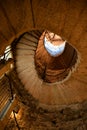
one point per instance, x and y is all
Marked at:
(33, 117)
(66, 18)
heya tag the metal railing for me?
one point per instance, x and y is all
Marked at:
(6, 94)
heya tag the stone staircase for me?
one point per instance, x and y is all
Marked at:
(25, 51)
(48, 94)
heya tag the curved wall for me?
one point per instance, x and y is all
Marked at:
(66, 18)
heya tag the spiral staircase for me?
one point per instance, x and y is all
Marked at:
(48, 94)
(66, 18)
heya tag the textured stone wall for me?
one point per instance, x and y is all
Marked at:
(67, 18)
(33, 117)
(15, 17)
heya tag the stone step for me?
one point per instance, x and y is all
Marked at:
(24, 52)
(31, 38)
(22, 46)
